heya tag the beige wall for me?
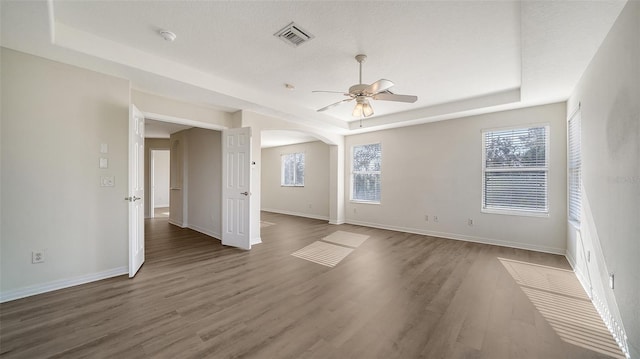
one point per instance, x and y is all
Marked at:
(151, 144)
(312, 200)
(436, 169)
(609, 93)
(204, 181)
(54, 119)
(196, 180)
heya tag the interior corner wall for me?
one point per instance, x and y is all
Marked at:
(609, 94)
(311, 200)
(54, 119)
(204, 181)
(149, 145)
(435, 169)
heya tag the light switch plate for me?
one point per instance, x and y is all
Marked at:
(104, 148)
(104, 162)
(107, 181)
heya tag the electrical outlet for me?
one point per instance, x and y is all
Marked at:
(435, 218)
(426, 218)
(354, 210)
(37, 257)
(310, 205)
(470, 222)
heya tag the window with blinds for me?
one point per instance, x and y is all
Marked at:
(515, 170)
(574, 174)
(292, 169)
(365, 173)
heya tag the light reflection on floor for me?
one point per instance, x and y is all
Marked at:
(561, 300)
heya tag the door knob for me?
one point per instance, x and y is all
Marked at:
(132, 198)
(245, 193)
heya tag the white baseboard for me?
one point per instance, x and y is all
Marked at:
(60, 284)
(175, 223)
(206, 231)
(584, 281)
(462, 237)
(161, 205)
(337, 222)
(297, 214)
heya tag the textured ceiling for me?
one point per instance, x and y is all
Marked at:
(459, 58)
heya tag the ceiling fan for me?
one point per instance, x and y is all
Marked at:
(379, 90)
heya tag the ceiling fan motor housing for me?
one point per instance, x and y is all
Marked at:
(357, 90)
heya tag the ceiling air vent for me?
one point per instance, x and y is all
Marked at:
(293, 35)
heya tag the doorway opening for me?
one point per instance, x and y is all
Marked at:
(159, 183)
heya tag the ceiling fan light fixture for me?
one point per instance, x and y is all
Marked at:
(363, 108)
(367, 110)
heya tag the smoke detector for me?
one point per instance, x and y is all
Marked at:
(294, 35)
(168, 35)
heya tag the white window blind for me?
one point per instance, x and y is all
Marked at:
(575, 167)
(292, 169)
(365, 173)
(515, 170)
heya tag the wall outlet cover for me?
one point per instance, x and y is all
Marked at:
(107, 181)
(37, 256)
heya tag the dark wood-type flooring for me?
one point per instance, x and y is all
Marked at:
(398, 295)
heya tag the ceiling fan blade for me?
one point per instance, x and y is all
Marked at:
(384, 96)
(341, 92)
(378, 86)
(334, 104)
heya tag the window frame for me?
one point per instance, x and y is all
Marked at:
(577, 117)
(282, 168)
(353, 173)
(546, 169)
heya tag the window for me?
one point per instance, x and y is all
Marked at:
(515, 170)
(292, 170)
(575, 168)
(365, 173)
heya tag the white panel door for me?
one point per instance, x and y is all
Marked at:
(136, 190)
(236, 185)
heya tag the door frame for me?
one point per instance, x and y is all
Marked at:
(176, 120)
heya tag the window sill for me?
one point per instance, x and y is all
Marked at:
(291, 185)
(364, 202)
(515, 213)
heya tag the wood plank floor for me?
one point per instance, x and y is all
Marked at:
(398, 295)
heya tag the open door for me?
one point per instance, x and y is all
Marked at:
(236, 184)
(136, 190)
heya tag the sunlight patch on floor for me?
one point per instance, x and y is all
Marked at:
(348, 239)
(323, 253)
(558, 296)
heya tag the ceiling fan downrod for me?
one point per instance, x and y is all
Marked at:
(361, 58)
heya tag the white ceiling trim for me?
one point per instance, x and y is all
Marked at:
(76, 40)
(435, 113)
(555, 41)
(182, 121)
